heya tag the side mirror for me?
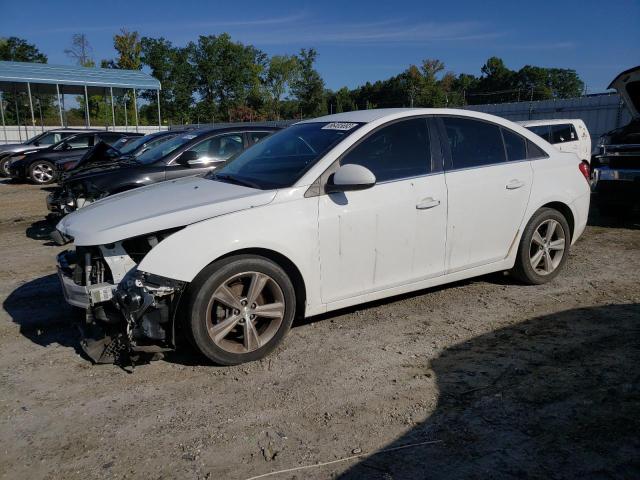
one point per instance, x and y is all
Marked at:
(36, 143)
(351, 177)
(66, 146)
(188, 158)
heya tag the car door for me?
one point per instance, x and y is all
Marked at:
(210, 153)
(393, 233)
(75, 147)
(487, 194)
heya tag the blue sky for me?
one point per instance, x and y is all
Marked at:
(361, 40)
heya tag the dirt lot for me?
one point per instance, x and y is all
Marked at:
(508, 381)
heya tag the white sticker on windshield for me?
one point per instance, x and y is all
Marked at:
(339, 126)
(189, 137)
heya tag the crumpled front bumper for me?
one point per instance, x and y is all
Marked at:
(123, 322)
(79, 295)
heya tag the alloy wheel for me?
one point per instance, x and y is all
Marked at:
(42, 173)
(245, 312)
(547, 247)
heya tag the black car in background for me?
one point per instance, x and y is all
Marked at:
(40, 141)
(189, 153)
(124, 148)
(39, 166)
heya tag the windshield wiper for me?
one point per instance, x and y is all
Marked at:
(237, 181)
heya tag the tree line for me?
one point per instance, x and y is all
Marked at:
(217, 79)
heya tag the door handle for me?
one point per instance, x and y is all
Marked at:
(427, 203)
(514, 184)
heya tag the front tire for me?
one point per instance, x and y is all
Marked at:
(544, 247)
(4, 166)
(239, 309)
(42, 172)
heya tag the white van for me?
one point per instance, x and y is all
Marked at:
(566, 135)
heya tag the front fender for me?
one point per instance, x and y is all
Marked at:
(289, 228)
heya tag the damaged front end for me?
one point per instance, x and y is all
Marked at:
(69, 198)
(129, 314)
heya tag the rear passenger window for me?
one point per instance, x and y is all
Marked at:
(515, 144)
(542, 131)
(563, 133)
(400, 150)
(473, 143)
(534, 151)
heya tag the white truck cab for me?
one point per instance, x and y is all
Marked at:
(567, 135)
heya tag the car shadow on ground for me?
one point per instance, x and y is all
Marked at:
(554, 397)
(41, 230)
(621, 215)
(44, 317)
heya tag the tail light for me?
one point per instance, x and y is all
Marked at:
(585, 170)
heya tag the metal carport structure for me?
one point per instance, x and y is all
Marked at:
(19, 77)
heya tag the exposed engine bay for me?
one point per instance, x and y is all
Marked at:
(129, 315)
(72, 197)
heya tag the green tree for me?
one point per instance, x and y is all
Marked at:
(129, 49)
(228, 75)
(170, 65)
(308, 86)
(16, 49)
(281, 72)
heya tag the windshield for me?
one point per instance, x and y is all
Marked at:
(281, 159)
(165, 148)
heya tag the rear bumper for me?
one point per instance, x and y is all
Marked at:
(622, 183)
(580, 210)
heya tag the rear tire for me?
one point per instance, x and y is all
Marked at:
(42, 172)
(544, 247)
(239, 309)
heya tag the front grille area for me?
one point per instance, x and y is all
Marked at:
(97, 271)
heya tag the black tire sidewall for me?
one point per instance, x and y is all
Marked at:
(208, 281)
(523, 269)
(42, 162)
(4, 167)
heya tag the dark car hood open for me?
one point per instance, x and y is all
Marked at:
(627, 85)
(91, 171)
(102, 152)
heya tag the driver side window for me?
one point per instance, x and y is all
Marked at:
(400, 150)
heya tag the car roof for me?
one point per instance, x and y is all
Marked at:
(233, 127)
(382, 114)
(549, 121)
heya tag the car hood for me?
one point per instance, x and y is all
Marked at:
(162, 206)
(88, 171)
(12, 147)
(627, 84)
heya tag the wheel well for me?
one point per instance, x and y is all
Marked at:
(564, 210)
(287, 265)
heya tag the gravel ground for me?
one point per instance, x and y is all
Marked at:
(502, 380)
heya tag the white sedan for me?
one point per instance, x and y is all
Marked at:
(328, 213)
